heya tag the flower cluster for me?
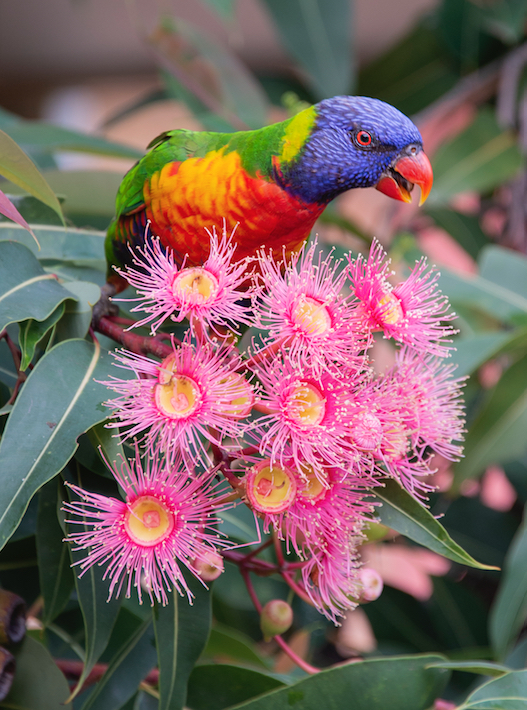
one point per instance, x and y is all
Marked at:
(299, 422)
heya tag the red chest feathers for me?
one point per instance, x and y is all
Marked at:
(185, 198)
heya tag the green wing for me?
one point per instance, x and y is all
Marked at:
(169, 147)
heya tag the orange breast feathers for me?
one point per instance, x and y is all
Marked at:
(185, 198)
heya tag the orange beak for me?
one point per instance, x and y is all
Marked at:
(397, 182)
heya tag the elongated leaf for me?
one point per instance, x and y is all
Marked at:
(510, 606)
(26, 290)
(213, 74)
(509, 692)
(105, 441)
(504, 267)
(498, 434)
(214, 687)
(86, 192)
(129, 666)
(316, 33)
(59, 401)
(46, 138)
(465, 228)
(397, 683)
(33, 331)
(404, 514)
(227, 643)
(78, 314)
(56, 576)
(34, 211)
(477, 667)
(38, 683)
(181, 635)
(471, 352)
(80, 246)
(484, 296)
(99, 613)
(479, 158)
(17, 167)
(8, 209)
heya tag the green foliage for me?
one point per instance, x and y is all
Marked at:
(52, 413)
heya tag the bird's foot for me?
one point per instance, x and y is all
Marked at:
(104, 306)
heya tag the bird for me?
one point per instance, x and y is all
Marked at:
(274, 182)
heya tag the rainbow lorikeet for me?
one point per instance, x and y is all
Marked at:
(274, 181)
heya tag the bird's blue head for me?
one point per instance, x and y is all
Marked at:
(357, 141)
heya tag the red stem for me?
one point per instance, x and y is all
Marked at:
(73, 669)
(140, 344)
(279, 640)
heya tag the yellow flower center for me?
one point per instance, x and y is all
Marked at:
(391, 309)
(241, 404)
(311, 316)
(314, 487)
(270, 490)
(176, 396)
(195, 285)
(148, 522)
(307, 405)
(396, 440)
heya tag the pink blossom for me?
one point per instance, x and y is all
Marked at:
(209, 294)
(430, 400)
(167, 519)
(302, 307)
(193, 397)
(413, 312)
(307, 411)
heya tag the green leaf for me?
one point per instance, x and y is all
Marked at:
(181, 635)
(316, 33)
(397, 683)
(509, 609)
(411, 74)
(212, 74)
(498, 433)
(471, 352)
(99, 613)
(505, 268)
(59, 401)
(17, 167)
(480, 158)
(79, 246)
(464, 228)
(509, 692)
(56, 576)
(224, 8)
(26, 290)
(214, 687)
(33, 210)
(78, 314)
(31, 332)
(38, 683)
(46, 138)
(105, 441)
(483, 295)
(227, 643)
(128, 667)
(401, 512)
(477, 667)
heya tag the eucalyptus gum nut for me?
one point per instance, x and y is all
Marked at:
(276, 618)
(12, 617)
(7, 672)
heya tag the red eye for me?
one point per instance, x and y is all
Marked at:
(363, 138)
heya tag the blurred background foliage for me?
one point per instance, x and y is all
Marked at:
(460, 72)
